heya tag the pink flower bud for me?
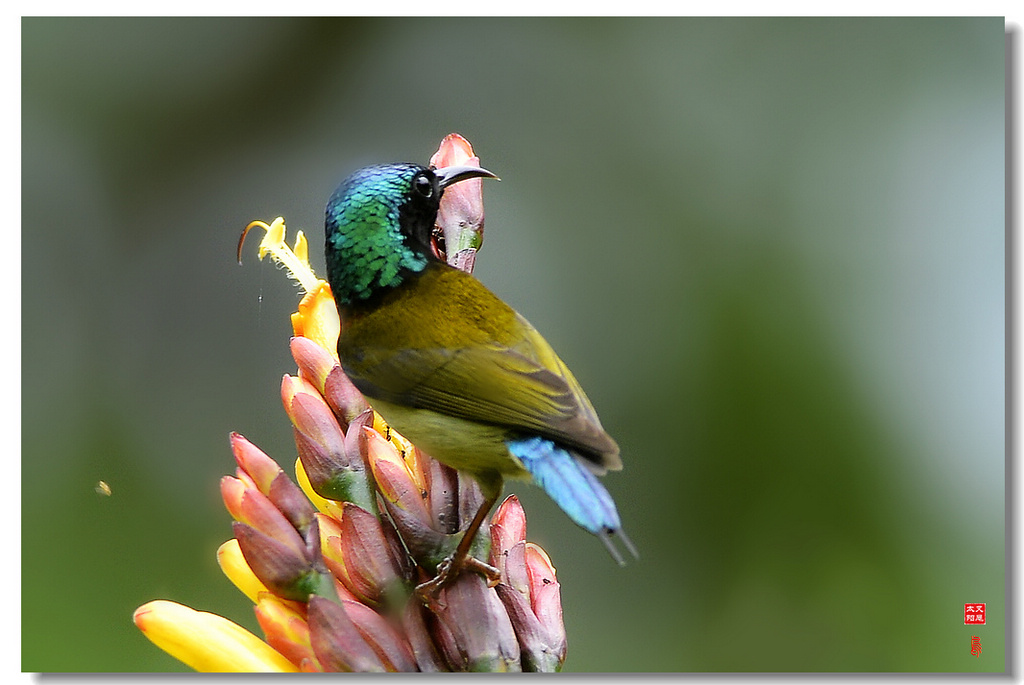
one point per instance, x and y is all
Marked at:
(389, 644)
(321, 368)
(459, 229)
(255, 509)
(481, 635)
(251, 459)
(338, 645)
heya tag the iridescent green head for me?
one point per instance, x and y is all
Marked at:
(379, 224)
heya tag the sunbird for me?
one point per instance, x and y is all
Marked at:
(449, 365)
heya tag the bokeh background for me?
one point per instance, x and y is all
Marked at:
(772, 250)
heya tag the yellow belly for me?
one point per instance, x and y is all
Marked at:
(461, 444)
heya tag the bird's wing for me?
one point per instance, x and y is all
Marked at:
(525, 387)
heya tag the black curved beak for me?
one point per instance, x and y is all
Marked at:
(453, 174)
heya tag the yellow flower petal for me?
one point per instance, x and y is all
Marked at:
(234, 566)
(317, 318)
(323, 505)
(207, 642)
(405, 449)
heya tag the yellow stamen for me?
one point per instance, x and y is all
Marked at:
(301, 248)
(295, 261)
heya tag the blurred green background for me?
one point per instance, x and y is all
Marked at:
(772, 250)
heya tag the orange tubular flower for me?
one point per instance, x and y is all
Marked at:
(331, 559)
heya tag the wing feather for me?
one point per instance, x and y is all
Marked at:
(522, 385)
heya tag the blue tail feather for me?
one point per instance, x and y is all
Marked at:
(573, 487)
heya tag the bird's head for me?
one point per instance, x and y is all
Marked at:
(379, 223)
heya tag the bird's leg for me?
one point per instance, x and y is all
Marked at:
(449, 569)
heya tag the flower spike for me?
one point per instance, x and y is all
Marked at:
(332, 559)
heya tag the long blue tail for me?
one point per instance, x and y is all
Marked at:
(574, 488)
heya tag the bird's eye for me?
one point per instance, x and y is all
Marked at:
(424, 186)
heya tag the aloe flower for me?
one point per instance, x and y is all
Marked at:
(332, 559)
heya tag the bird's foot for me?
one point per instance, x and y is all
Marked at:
(450, 569)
